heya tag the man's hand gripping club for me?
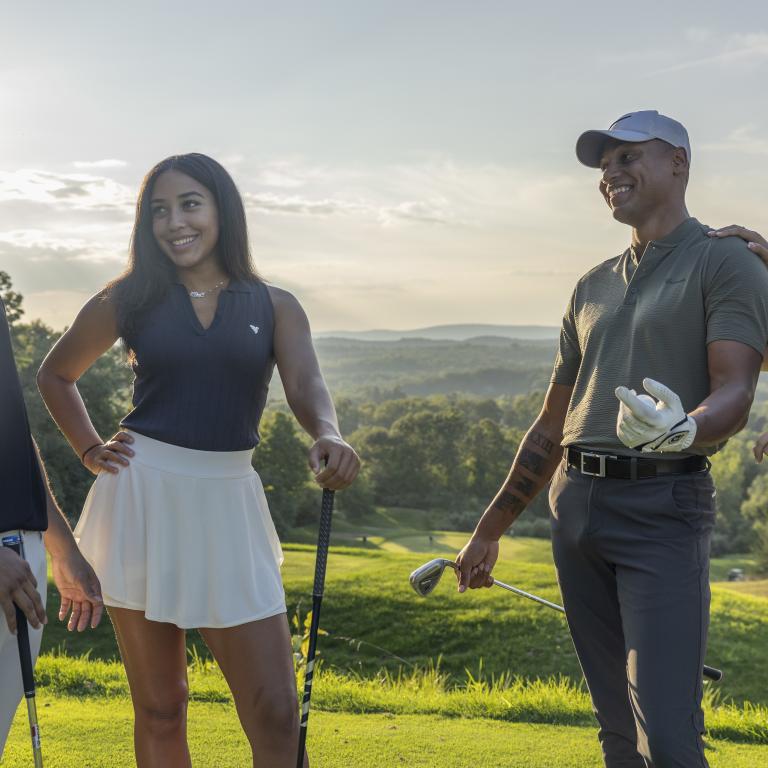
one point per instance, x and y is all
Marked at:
(659, 425)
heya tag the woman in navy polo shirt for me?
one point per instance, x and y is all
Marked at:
(176, 524)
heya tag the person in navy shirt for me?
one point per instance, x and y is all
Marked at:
(176, 524)
(27, 508)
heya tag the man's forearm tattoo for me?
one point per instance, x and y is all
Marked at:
(509, 504)
(533, 462)
(520, 488)
(541, 442)
(525, 486)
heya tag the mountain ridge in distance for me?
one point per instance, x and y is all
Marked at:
(457, 332)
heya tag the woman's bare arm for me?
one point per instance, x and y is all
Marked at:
(308, 395)
(92, 333)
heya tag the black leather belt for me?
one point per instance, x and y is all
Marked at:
(630, 467)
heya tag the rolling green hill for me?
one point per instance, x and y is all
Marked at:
(376, 621)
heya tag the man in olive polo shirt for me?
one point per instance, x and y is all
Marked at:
(683, 318)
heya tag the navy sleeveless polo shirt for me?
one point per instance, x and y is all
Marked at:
(203, 388)
(22, 490)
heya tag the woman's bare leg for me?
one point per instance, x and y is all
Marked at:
(155, 659)
(257, 662)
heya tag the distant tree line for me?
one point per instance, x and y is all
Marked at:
(446, 454)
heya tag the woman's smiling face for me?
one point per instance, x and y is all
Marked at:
(185, 219)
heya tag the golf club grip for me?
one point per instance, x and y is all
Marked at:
(22, 631)
(713, 674)
(323, 541)
(25, 654)
(309, 673)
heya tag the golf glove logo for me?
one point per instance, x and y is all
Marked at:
(653, 425)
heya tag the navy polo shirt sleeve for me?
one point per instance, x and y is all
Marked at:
(569, 352)
(22, 491)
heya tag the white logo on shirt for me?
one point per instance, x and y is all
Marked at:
(255, 328)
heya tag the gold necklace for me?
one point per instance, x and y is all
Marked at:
(203, 294)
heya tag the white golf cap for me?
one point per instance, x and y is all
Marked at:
(633, 127)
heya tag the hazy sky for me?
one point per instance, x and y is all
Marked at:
(403, 163)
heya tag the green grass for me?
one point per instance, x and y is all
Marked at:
(85, 733)
(756, 587)
(426, 692)
(507, 690)
(414, 719)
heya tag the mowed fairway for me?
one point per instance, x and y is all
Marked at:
(97, 732)
(410, 531)
(756, 587)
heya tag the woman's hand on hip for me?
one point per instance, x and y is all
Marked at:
(110, 456)
(334, 462)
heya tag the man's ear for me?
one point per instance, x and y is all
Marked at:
(679, 161)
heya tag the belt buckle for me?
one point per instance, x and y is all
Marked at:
(601, 457)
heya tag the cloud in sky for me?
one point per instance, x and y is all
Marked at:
(444, 241)
(36, 246)
(367, 237)
(66, 191)
(108, 163)
(743, 139)
(294, 204)
(420, 211)
(744, 50)
(35, 240)
(290, 174)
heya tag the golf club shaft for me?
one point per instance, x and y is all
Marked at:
(323, 541)
(522, 593)
(709, 672)
(28, 681)
(25, 658)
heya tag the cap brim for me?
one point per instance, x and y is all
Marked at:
(590, 146)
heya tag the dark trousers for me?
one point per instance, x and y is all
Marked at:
(632, 561)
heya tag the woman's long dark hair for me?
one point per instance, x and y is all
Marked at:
(150, 272)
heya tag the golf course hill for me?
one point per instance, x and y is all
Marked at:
(396, 668)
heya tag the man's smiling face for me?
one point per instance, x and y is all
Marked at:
(637, 178)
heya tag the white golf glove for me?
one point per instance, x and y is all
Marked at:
(647, 425)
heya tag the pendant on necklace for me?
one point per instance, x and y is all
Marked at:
(203, 294)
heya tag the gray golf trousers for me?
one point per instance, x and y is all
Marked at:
(632, 560)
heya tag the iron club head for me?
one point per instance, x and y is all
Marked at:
(425, 578)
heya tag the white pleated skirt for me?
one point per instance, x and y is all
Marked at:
(184, 536)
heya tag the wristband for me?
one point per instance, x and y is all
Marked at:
(88, 450)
